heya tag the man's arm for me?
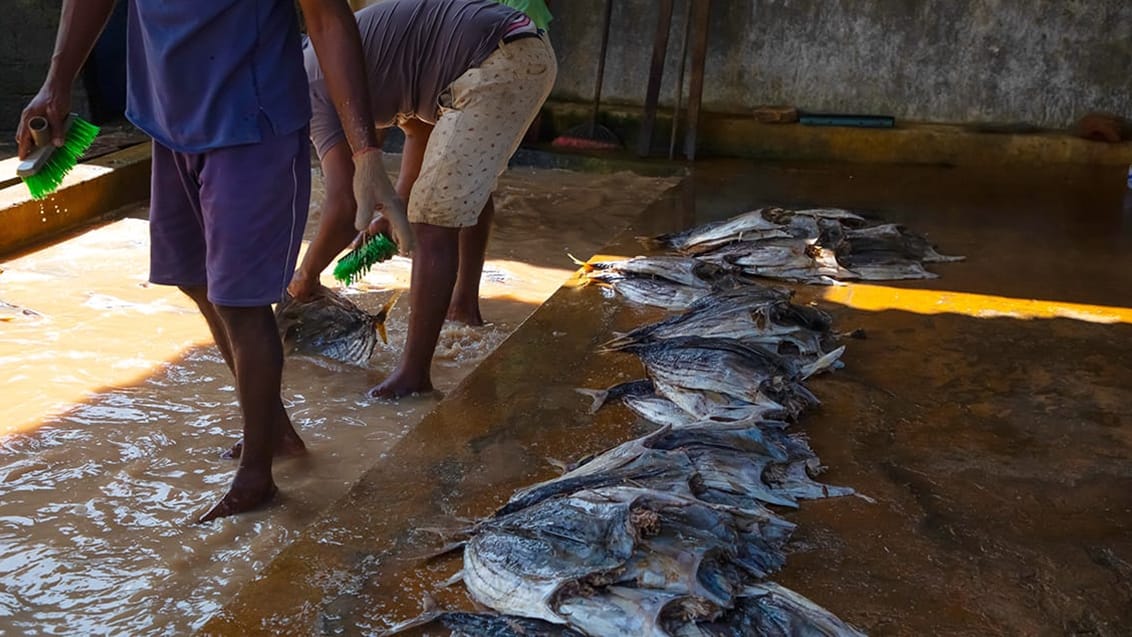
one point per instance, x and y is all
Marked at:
(336, 222)
(334, 34)
(79, 26)
(412, 155)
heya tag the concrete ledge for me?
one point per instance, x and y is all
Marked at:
(486, 438)
(88, 192)
(908, 143)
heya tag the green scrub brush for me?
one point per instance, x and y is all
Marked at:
(45, 167)
(358, 261)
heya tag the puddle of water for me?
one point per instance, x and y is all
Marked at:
(117, 409)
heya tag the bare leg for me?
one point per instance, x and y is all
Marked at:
(430, 289)
(257, 356)
(287, 440)
(465, 305)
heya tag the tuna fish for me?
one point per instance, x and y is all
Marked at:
(651, 291)
(745, 372)
(620, 610)
(821, 245)
(744, 465)
(748, 225)
(895, 239)
(770, 610)
(560, 560)
(641, 398)
(332, 326)
(761, 316)
(682, 270)
(484, 625)
(669, 459)
(518, 564)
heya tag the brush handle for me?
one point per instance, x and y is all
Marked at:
(40, 130)
(41, 134)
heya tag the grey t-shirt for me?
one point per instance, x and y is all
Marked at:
(414, 49)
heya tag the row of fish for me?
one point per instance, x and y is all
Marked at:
(676, 533)
(822, 246)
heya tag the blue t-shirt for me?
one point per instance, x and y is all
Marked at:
(205, 74)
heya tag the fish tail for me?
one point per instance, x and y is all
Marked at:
(620, 341)
(659, 241)
(383, 314)
(599, 396)
(585, 265)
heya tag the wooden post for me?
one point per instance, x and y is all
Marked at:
(656, 74)
(701, 15)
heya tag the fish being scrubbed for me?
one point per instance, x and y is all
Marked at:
(332, 326)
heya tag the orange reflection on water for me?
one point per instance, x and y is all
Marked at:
(89, 320)
(876, 298)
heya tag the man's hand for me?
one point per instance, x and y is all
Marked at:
(372, 192)
(53, 103)
(303, 287)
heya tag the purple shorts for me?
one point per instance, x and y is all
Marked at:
(230, 218)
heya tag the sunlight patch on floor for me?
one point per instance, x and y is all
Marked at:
(878, 298)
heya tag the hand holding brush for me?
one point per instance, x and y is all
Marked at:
(370, 247)
(50, 145)
(373, 190)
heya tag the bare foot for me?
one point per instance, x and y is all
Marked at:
(397, 387)
(290, 445)
(468, 314)
(247, 492)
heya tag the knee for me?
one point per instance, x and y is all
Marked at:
(198, 293)
(435, 236)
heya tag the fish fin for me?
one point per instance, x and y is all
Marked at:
(383, 314)
(561, 465)
(423, 619)
(442, 551)
(599, 396)
(456, 578)
(825, 362)
(585, 265)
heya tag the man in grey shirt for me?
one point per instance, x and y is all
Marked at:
(463, 79)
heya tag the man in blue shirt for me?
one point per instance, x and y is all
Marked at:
(221, 88)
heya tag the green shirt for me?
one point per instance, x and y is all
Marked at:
(535, 9)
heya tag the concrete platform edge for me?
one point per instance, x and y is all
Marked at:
(93, 189)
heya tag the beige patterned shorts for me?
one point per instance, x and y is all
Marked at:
(483, 117)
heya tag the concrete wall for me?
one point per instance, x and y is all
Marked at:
(1043, 62)
(27, 39)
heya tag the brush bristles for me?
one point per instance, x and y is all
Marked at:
(352, 267)
(79, 138)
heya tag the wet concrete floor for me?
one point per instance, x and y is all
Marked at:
(116, 407)
(998, 446)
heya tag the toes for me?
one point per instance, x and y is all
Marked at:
(239, 500)
(235, 452)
